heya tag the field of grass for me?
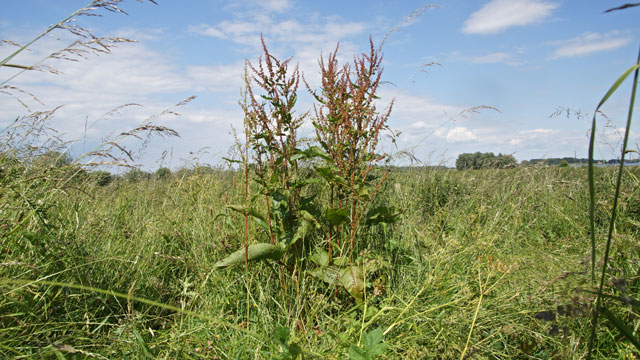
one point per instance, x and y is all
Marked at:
(480, 264)
(310, 248)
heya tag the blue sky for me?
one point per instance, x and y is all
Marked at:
(526, 58)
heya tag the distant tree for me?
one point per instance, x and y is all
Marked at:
(102, 178)
(53, 159)
(504, 161)
(163, 173)
(135, 175)
(488, 160)
(204, 169)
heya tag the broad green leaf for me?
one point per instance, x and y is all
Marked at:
(330, 175)
(372, 342)
(352, 280)
(328, 274)
(295, 350)
(306, 224)
(325, 172)
(317, 151)
(306, 216)
(383, 214)
(337, 217)
(355, 353)
(363, 192)
(255, 215)
(320, 257)
(282, 335)
(261, 251)
(372, 346)
(341, 261)
(238, 208)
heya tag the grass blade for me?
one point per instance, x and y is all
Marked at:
(143, 344)
(27, 282)
(624, 329)
(615, 86)
(592, 200)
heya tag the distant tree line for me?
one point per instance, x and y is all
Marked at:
(64, 166)
(479, 160)
(573, 160)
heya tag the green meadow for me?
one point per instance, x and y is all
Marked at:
(491, 262)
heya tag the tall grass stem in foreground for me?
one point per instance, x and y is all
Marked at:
(614, 87)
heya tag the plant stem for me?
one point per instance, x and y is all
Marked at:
(614, 209)
(246, 223)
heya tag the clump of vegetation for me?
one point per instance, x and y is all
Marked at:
(488, 160)
(163, 173)
(102, 178)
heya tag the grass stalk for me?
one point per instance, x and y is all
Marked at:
(598, 300)
(475, 315)
(246, 224)
(129, 297)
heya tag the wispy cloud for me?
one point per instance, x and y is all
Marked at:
(246, 32)
(150, 34)
(511, 57)
(275, 5)
(131, 73)
(460, 134)
(499, 15)
(496, 58)
(207, 30)
(312, 37)
(590, 42)
(218, 78)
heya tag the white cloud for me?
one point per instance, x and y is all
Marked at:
(460, 134)
(207, 30)
(590, 42)
(314, 36)
(221, 78)
(533, 136)
(151, 34)
(343, 30)
(499, 15)
(417, 115)
(496, 58)
(274, 5)
(538, 131)
(131, 73)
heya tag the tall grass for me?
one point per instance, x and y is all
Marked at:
(158, 240)
(617, 322)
